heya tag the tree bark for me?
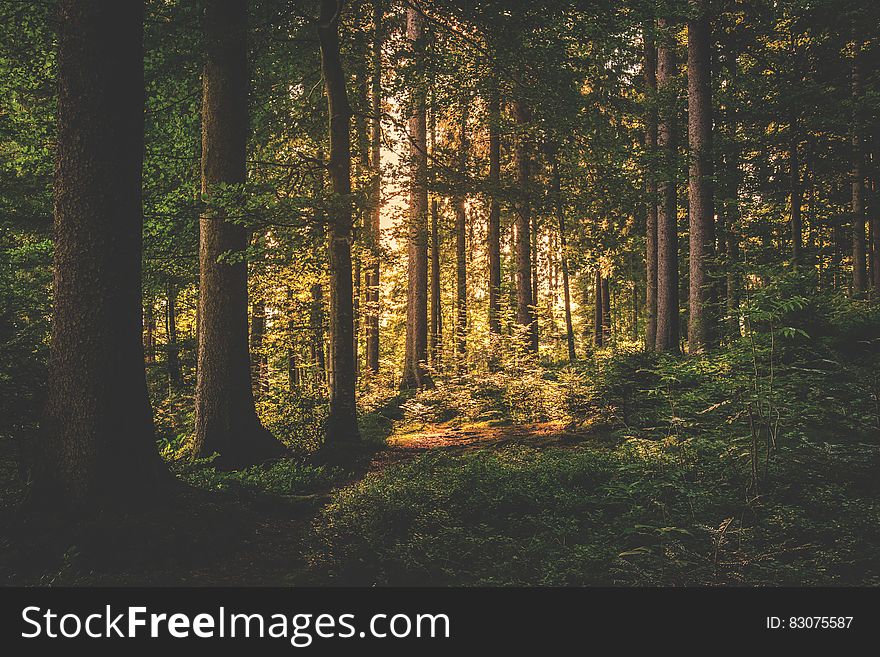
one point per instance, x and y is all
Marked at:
(563, 259)
(598, 319)
(258, 361)
(175, 380)
(414, 373)
(859, 279)
(226, 421)
(460, 248)
(494, 227)
(701, 210)
(667, 224)
(525, 308)
(96, 446)
(342, 420)
(797, 224)
(150, 333)
(372, 277)
(606, 310)
(650, 73)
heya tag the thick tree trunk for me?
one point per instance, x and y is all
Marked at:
(225, 417)
(372, 279)
(563, 259)
(494, 227)
(342, 420)
(525, 305)
(650, 73)
(701, 212)
(96, 446)
(859, 279)
(414, 374)
(667, 224)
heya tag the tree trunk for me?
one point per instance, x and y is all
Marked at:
(563, 259)
(859, 279)
(875, 228)
(96, 445)
(667, 224)
(494, 227)
(650, 72)
(525, 308)
(797, 225)
(258, 361)
(460, 249)
(606, 310)
(701, 210)
(598, 320)
(414, 373)
(342, 420)
(225, 417)
(372, 279)
(150, 334)
(175, 380)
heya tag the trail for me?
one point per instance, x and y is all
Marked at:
(225, 537)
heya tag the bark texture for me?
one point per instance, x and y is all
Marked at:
(650, 73)
(96, 445)
(372, 276)
(226, 421)
(414, 374)
(525, 305)
(667, 224)
(342, 425)
(701, 206)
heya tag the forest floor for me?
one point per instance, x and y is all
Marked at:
(228, 537)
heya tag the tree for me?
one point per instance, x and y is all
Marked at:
(372, 277)
(667, 223)
(414, 374)
(494, 227)
(650, 74)
(525, 304)
(460, 246)
(342, 422)
(701, 210)
(96, 444)
(226, 420)
(563, 257)
(857, 207)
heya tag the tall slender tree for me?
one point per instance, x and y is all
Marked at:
(96, 443)
(650, 74)
(525, 304)
(494, 225)
(667, 220)
(414, 373)
(372, 278)
(342, 425)
(460, 244)
(226, 420)
(563, 256)
(701, 207)
(859, 277)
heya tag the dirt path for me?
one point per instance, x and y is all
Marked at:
(214, 538)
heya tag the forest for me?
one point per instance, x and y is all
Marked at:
(440, 292)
